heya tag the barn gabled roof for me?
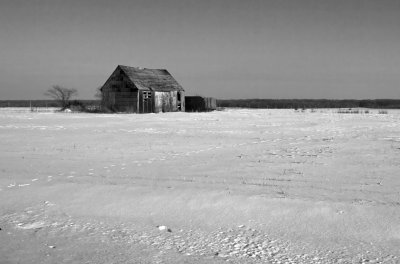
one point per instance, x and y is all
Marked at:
(153, 79)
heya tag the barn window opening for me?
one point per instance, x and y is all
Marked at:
(146, 95)
(179, 96)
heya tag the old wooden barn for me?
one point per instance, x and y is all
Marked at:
(141, 90)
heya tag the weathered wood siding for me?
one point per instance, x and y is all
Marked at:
(181, 101)
(211, 103)
(119, 94)
(165, 102)
(169, 101)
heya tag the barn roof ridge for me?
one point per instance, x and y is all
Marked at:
(138, 67)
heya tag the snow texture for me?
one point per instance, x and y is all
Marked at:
(238, 186)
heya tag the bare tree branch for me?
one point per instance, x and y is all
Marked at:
(61, 94)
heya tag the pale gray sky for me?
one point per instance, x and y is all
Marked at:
(221, 48)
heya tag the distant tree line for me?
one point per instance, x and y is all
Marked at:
(41, 103)
(309, 103)
(244, 103)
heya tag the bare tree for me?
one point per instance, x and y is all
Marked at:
(61, 94)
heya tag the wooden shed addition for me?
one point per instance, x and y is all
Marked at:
(200, 104)
(141, 90)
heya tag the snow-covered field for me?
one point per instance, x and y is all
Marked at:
(240, 185)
